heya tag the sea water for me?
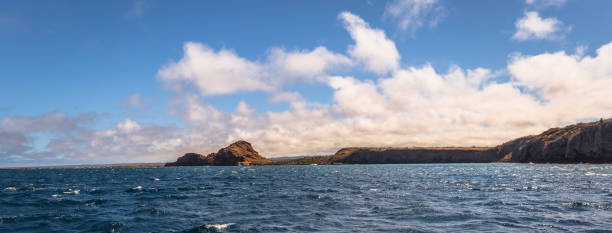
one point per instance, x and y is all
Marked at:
(335, 198)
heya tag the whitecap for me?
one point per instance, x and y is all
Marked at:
(55, 195)
(10, 189)
(596, 174)
(374, 190)
(75, 192)
(155, 179)
(137, 188)
(219, 227)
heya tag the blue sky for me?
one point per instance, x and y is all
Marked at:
(105, 58)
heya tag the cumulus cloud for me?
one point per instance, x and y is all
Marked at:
(225, 72)
(411, 106)
(414, 14)
(372, 47)
(532, 26)
(419, 106)
(214, 72)
(568, 81)
(305, 63)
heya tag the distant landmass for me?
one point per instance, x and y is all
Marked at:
(578, 143)
(238, 153)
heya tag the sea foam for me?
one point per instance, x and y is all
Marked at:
(219, 227)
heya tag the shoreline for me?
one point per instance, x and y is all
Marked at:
(108, 165)
(289, 163)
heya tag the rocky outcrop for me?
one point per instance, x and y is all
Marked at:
(240, 152)
(359, 155)
(583, 142)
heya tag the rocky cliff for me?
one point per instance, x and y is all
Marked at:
(583, 142)
(362, 155)
(237, 152)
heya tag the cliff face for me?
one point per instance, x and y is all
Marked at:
(240, 151)
(584, 142)
(415, 155)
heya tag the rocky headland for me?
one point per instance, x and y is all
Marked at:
(583, 142)
(238, 153)
(578, 143)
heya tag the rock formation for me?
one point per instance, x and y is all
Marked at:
(237, 152)
(362, 155)
(583, 142)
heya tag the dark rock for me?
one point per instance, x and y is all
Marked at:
(415, 155)
(190, 159)
(583, 142)
(237, 152)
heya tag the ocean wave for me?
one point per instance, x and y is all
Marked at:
(597, 174)
(70, 191)
(219, 227)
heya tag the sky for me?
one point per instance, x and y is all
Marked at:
(85, 82)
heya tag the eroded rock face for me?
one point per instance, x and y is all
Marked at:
(583, 142)
(240, 151)
(415, 155)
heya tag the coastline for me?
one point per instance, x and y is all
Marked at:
(109, 165)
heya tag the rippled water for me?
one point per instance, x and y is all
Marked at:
(368, 198)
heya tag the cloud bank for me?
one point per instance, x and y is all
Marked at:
(388, 105)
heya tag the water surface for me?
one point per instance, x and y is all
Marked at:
(347, 198)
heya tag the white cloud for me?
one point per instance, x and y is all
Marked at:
(196, 112)
(372, 47)
(128, 126)
(357, 98)
(224, 72)
(532, 26)
(215, 73)
(306, 63)
(414, 14)
(411, 106)
(545, 3)
(568, 82)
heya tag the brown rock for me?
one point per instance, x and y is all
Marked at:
(363, 155)
(237, 152)
(583, 142)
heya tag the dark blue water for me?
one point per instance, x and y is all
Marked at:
(367, 198)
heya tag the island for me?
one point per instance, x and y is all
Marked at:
(579, 143)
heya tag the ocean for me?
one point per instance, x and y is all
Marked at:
(502, 197)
